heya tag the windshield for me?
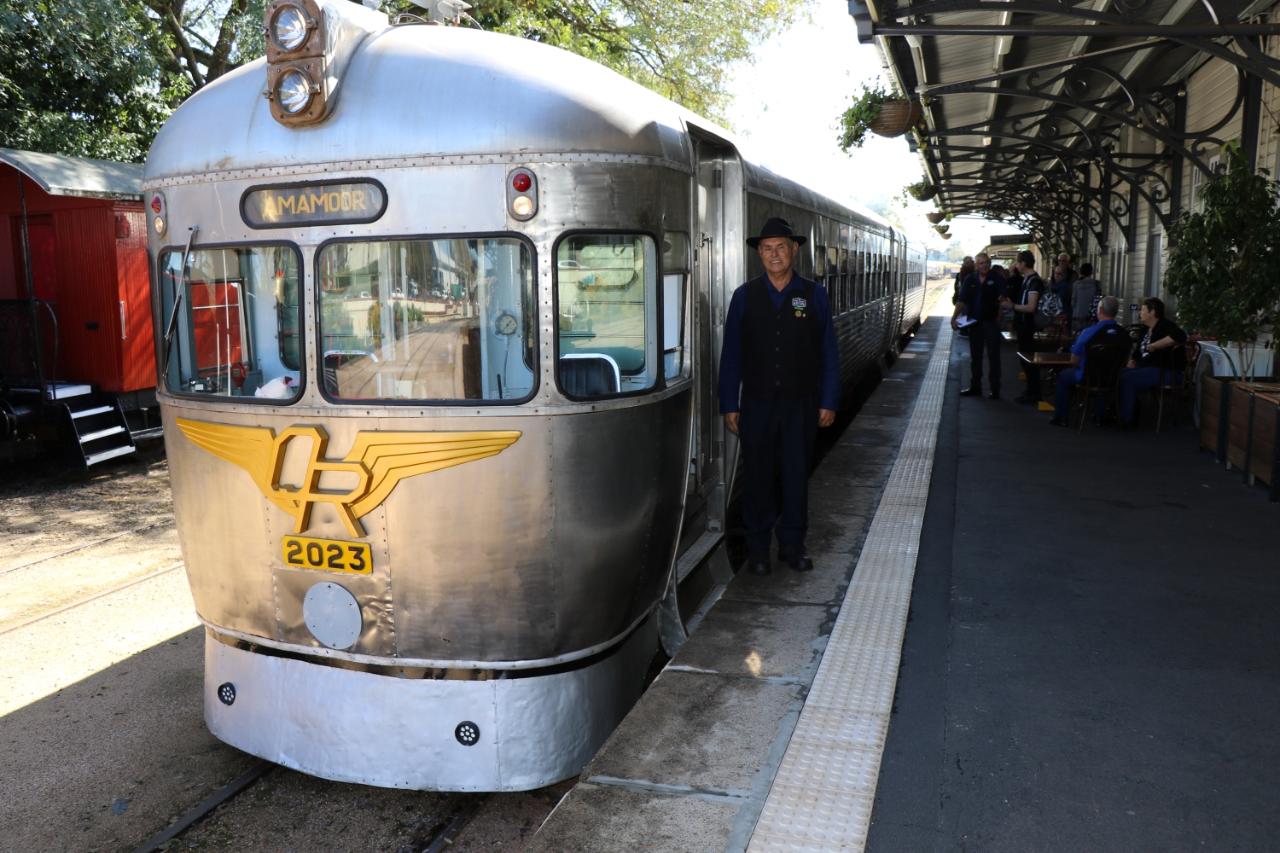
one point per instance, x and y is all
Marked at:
(237, 323)
(428, 319)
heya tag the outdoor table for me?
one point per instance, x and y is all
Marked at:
(1052, 360)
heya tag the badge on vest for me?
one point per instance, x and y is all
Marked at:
(799, 304)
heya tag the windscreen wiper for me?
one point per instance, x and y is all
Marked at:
(179, 288)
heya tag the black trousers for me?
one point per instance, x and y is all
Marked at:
(984, 336)
(777, 440)
(1027, 346)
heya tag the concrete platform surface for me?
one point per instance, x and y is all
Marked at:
(1089, 664)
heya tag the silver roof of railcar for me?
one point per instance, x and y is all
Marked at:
(425, 91)
(77, 176)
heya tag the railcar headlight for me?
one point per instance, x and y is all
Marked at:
(289, 27)
(294, 91)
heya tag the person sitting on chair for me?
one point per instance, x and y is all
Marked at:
(1156, 358)
(1106, 328)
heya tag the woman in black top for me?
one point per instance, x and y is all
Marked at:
(1158, 357)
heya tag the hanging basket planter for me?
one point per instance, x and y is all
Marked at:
(895, 118)
(942, 229)
(935, 216)
(922, 191)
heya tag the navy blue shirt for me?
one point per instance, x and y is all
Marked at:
(1081, 346)
(731, 354)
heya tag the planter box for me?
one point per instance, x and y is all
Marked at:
(1212, 391)
(1263, 460)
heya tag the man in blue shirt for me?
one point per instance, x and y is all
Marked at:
(1106, 328)
(780, 353)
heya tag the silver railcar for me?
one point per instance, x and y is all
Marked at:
(439, 320)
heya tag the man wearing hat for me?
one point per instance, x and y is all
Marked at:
(780, 352)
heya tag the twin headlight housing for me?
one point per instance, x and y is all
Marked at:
(308, 44)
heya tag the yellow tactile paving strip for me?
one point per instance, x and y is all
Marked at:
(821, 798)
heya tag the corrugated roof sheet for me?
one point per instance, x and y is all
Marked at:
(77, 176)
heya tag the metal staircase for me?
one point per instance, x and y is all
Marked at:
(96, 427)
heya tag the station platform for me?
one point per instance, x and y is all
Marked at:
(1017, 637)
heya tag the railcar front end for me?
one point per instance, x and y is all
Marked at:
(427, 402)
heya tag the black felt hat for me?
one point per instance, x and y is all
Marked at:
(776, 227)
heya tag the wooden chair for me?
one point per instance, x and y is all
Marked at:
(1178, 387)
(1103, 363)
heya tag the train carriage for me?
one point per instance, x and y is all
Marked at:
(438, 322)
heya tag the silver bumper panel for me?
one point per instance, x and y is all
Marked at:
(499, 735)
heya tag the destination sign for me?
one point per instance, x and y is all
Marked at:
(313, 204)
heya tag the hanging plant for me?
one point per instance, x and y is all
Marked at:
(922, 190)
(877, 111)
(935, 216)
(942, 229)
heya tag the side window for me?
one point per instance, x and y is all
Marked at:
(846, 298)
(675, 286)
(236, 317)
(606, 307)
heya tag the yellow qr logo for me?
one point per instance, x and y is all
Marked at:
(378, 460)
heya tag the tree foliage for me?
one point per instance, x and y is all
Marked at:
(79, 77)
(97, 78)
(683, 51)
(1224, 262)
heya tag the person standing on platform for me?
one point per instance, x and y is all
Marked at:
(780, 353)
(1063, 278)
(1024, 321)
(980, 303)
(1157, 356)
(1084, 296)
(966, 268)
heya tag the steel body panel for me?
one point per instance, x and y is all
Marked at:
(571, 528)
(400, 732)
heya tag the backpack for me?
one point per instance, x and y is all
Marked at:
(1048, 309)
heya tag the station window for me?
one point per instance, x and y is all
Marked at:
(439, 320)
(235, 329)
(606, 309)
(675, 286)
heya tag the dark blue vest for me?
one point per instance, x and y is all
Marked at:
(782, 347)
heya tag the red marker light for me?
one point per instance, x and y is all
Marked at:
(156, 204)
(521, 182)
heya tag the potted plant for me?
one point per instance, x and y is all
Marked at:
(1224, 262)
(1224, 271)
(922, 190)
(942, 229)
(877, 111)
(935, 216)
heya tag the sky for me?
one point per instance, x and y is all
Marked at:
(786, 108)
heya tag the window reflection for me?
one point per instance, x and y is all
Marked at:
(236, 328)
(607, 309)
(445, 319)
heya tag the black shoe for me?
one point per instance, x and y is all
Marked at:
(994, 395)
(801, 564)
(1058, 422)
(758, 567)
(1025, 399)
(971, 391)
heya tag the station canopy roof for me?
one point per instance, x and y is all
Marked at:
(77, 176)
(1026, 103)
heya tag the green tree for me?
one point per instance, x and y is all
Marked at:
(79, 77)
(682, 51)
(97, 77)
(1224, 262)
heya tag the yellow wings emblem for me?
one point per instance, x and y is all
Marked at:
(379, 460)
